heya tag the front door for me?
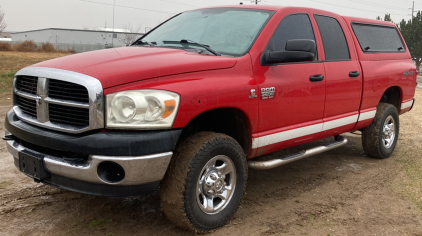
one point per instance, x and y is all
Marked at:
(294, 114)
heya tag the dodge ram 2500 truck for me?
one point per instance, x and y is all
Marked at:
(189, 104)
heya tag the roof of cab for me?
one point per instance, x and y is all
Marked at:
(348, 19)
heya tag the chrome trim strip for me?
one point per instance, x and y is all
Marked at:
(14, 148)
(26, 95)
(339, 122)
(95, 93)
(66, 103)
(285, 135)
(138, 169)
(367, 115)
(408, 104)
(302, 131)
(42, 107)
(265, 165)
(6, 132)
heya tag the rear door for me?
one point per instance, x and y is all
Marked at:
(343, 78)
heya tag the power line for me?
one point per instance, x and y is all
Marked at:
(380, 5)
(137, 8)
(180, 3)
(354, 8)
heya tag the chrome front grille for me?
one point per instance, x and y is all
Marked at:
(67, 91)
(27, 84)
(68, 115)
(28, 106)
(58, 99)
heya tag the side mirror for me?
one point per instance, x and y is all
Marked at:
(297, 50)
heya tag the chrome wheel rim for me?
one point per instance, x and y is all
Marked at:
(216, 184)
(388, 132)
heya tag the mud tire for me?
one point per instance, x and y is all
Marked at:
(178, 188)
(372, 135)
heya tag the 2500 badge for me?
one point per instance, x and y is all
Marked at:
(267, 93)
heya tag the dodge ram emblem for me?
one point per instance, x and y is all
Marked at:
(267, 93)
(38, 100)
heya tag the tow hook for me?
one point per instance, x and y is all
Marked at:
(8, 137)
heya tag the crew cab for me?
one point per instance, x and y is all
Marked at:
(189, 105)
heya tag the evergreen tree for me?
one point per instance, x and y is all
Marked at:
(412, 34)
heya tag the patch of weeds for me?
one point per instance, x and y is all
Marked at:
(110, 234)
(274, 205)
(101, 222)
(311, 218)
(4, 184)
(6, 81)
(53, 192)
(297, 177)
(304, 234)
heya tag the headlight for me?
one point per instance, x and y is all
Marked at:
(141, 109)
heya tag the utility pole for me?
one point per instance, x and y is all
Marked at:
(112, 36)
(255, 1)
(413, 9)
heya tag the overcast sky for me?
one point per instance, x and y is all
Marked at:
(22, 15)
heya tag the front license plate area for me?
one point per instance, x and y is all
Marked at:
(32, 166)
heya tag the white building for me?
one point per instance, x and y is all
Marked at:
(79, 40)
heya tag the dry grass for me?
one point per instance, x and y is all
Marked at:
(11, 62)
(30, 46)
(409, 151)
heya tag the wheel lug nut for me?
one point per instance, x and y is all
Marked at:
(223, 177)
(210, 192)
(213, 177)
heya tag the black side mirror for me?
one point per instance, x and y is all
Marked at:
(297, 50)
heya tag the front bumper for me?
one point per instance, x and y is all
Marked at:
(78, 171)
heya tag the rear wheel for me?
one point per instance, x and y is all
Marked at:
(380, 138)
(205, 182)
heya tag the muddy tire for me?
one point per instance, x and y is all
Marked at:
(380, 138)
(205, 182)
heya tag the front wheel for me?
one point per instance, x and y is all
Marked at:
(205, 182)
(380, 138)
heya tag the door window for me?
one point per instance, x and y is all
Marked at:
(378, 38)
(335, 45)
(297, 26)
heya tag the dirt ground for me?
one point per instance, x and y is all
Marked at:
(341, 192)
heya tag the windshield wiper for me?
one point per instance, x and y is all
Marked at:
(151, 44)
(188, 41)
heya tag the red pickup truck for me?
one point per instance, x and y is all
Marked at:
(188, 105)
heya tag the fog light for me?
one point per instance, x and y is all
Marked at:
(110, 172)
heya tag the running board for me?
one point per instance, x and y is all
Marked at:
(265, 165)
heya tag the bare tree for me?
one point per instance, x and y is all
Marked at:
(131, 34)
(3, 24)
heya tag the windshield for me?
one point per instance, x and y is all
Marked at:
(228, 31)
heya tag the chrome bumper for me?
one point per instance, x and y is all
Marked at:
(138, 169)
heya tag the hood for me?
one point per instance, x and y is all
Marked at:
(129, 64)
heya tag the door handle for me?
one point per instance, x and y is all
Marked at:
(316, 78)
(354, 74)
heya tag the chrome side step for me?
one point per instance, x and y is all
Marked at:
(265, 165)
